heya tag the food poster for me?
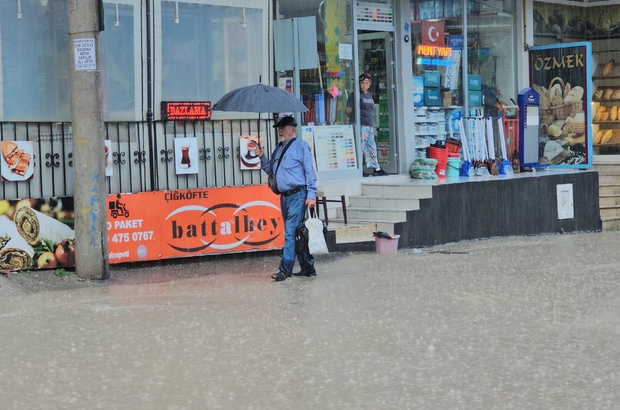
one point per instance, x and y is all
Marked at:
(176, 224)
(247, 152)
(17, 161)
(561, 75)
(185, 156)
(36, 233)
(39, 233)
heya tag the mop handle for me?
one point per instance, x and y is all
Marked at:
(502, 136)
(483, 140)
(491, 138)
(480, 144)
(463, 140)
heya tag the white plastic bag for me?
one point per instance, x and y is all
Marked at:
(316, 238)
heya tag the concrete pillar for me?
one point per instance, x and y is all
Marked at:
(91, 237)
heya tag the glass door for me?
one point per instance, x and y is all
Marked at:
(376, 57)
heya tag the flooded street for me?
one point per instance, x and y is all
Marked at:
(503, 323)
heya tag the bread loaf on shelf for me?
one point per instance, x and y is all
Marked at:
(597, 137)
(609, 67)
(598, 94)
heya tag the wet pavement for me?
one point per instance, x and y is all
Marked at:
(504, 323)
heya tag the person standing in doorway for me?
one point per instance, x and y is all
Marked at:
(296, 181)
(367, 115)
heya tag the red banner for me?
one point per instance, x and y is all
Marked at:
(39, 233)
(172, 224)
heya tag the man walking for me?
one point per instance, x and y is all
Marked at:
(292, 164)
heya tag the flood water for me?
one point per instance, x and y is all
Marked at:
(510, 323)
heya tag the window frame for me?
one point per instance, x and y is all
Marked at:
(263, 5)
(139, 34)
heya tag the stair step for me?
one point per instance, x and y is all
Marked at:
(610, 211)
(609, 189)
(372, 201)
(610, 168)
(609, 194)
(611, 224)
(609, 178)
(375, 214)
(353, 232)
(609, 200)
(397, 190)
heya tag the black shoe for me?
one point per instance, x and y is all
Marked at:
(379, 173)
(280, 276)
(306, 272)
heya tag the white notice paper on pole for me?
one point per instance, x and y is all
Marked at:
(84, 52)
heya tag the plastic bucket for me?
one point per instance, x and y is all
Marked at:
(453, 167)
(387, 245)
(441, 155)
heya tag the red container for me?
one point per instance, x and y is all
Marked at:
(441, 155)
(453, 146)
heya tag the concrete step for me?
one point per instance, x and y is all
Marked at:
(374, 214)
(610, 212)
(384, 226)
(371, 201)
(608, 189)
(353, 232)
(397, 190)
(609, 200)
(610, 168)
(609, 178)
(611, 224)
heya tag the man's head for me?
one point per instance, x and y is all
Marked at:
(287, 127)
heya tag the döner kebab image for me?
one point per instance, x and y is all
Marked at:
(33, 237)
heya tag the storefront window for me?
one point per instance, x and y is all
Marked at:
(600, 25)
(324, 90)
(34, 62)
(208, 50)
(324, 81)
(117, 51)
(438, 45)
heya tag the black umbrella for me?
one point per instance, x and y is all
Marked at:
(259, 98)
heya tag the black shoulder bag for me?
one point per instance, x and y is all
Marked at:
(271, 181)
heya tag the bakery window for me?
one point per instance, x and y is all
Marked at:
(600, 25)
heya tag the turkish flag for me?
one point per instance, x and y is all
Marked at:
(433, 33)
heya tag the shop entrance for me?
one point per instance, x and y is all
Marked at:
(376, 57)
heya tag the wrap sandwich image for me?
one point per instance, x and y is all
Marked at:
(34, 226)
(15, 252)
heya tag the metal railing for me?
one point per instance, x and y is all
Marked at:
(139, 163)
